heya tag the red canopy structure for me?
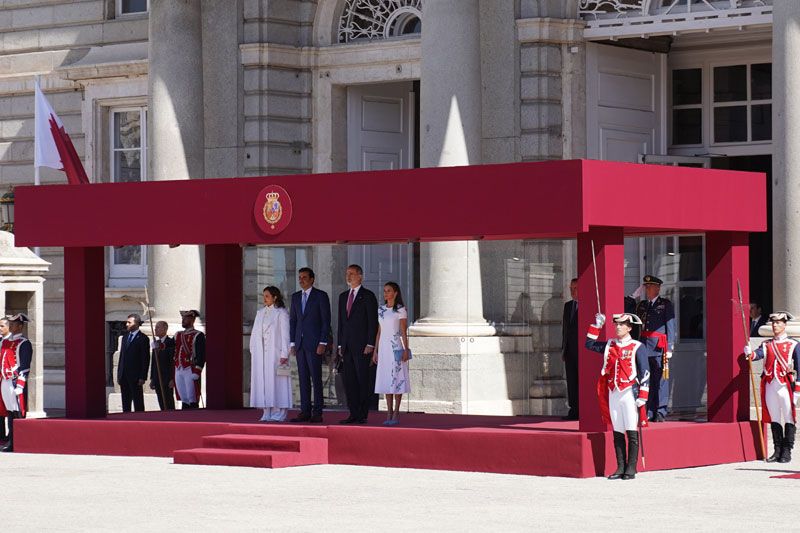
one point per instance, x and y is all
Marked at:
(593, 201)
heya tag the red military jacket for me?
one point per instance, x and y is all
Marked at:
(781, 356)
(190, 350)
(15, 359)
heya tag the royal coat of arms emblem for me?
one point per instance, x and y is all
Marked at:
(273, 209)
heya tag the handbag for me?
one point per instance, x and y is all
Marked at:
(398, 354)
(283, 370)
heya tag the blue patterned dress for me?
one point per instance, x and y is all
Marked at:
(392, 376)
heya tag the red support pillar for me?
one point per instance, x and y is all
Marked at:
(84, 321)
(609, 245)
(224, 326)
(727, 260)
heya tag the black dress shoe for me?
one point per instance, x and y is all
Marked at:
(361, 421)
(348, 420)
(7, 448)
(660, 418)
(302, 417)
(570, 417)
(316, 419)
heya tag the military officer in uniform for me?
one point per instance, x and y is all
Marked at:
(16, 353)
(623, 387)
(4, 334)
(190, 357)
(780, 390)
(658, 340)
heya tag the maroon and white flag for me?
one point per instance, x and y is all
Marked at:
(52, 146)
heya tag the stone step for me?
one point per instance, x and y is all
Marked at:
(251, 458)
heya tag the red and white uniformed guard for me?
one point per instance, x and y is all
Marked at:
(190, 357)
(623, 387)
(780, 390)
(16, 353)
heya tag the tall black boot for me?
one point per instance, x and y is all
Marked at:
(619, 450)
(788, 443)
(3, 435)
(633, 455)
(10, 446)
(777, 442)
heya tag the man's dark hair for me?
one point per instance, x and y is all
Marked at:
(357, 268)
(574, 279)
(307, 271)
(137, 318)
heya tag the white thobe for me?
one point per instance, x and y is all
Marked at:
(269, 342)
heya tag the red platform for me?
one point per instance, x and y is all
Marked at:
(512, 445)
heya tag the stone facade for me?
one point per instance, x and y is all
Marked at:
(266, 88)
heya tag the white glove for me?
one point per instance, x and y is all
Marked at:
(669, 355)
(599, 320)
(638, 292)
(748, 351)
(640, 402)
(195, 377)
(154, 344)
(18, 390)
(796, 397)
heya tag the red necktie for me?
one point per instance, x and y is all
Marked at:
(350, 301)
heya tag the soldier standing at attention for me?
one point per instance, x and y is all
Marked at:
(779, 388)
(16, 353)
(190, 357)
(623, 387)
(658, 341)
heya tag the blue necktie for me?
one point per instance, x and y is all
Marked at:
(130, 337)
(305, 299)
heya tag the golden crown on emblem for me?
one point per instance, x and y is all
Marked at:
(272, 196)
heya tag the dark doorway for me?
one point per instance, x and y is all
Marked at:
(760, 243)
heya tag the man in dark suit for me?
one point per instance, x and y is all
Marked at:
(162, 379)
(757, 319)
(134, 358)
(358, 326)
(309, 327)
(569, 345)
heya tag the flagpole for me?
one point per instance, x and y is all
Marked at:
(37, 180)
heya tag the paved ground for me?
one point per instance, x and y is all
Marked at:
(88, 493)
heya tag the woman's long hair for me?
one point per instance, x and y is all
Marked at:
(398, 300)
(276, 294)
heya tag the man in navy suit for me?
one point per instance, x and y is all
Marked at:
(358, 326)
(309, 327)
(134, 360)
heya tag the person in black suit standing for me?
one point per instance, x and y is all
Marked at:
(358, 328)
(134, 359)
(569, 345)
(757, 319)
(163, 347)
(309, 327)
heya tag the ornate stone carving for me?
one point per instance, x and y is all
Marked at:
(378, 19)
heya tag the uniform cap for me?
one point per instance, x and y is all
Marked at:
(648, 279)
(192, 312)
(784, 316)
(627, 317)
(19, 317)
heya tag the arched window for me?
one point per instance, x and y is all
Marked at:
(378, 19)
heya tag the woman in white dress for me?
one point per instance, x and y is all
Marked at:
(391, 351)
(269, 348)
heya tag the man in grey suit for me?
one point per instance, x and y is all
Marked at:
(309, 328)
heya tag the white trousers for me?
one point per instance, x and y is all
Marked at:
(8, 395)
(622, 406)
(779, 402)
(274, 414)
(184, 384)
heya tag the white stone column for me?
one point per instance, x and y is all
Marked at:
(176, 143)
(450, 115)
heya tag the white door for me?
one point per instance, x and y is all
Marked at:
(625, 103)
(380, 136)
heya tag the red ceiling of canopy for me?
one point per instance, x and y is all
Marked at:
(551, 199)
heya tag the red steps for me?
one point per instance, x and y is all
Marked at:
(263, 451)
